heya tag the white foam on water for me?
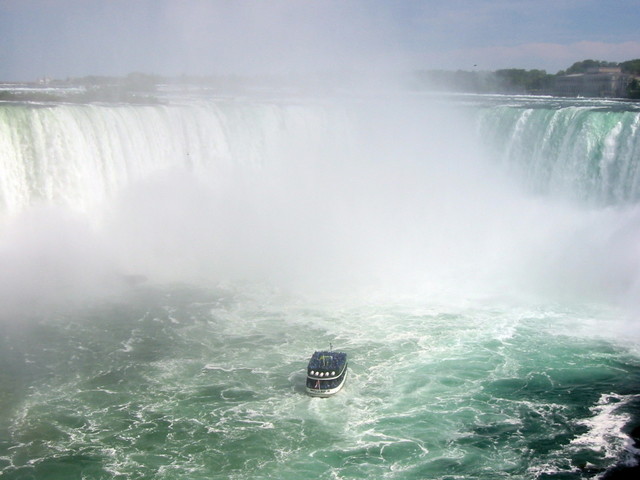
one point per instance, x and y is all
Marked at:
(606, 428)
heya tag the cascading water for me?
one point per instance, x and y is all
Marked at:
(80, 155)
(579, 150)
(476, 257)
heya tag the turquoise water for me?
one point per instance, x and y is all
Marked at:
(184, 383)
(168, 270)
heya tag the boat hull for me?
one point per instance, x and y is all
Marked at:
(327, 392)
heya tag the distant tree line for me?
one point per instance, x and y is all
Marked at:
(139, 87)
(18, 96)
(133, 82)
(135, 88)
(517, 81)
(631, 67)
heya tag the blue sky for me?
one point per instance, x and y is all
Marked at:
(70, 38)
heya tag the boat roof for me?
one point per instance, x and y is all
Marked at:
(327, 360)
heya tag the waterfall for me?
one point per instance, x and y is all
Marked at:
(585, 153)
(81, 155)
(400, 191)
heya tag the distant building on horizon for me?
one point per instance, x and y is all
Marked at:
(607, 82)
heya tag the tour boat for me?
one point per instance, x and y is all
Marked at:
(326, 373)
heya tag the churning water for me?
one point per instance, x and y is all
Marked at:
(167, 271)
